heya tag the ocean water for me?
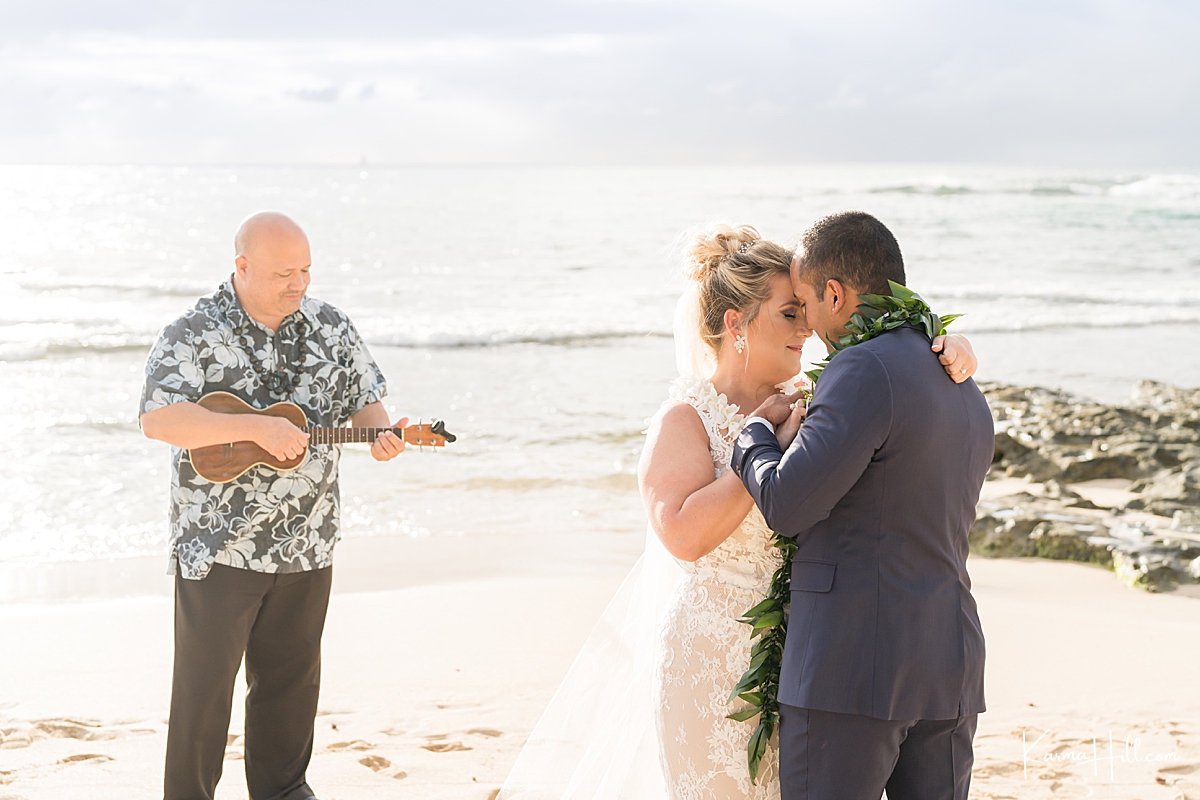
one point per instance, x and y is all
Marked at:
(531, 308)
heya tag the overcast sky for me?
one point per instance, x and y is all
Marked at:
(1054, 82)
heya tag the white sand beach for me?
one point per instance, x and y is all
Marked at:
(430, 688)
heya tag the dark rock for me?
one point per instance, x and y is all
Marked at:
(1155, 569)
(1065, 541)
(1077, 440)
(1023, 524)
(1169, 491)
(1168, 457)
(1183, 405)
(1092, 466)
(1008, 450)
(1002, 538)
(1188, 521)
(1019, 460)
(1056, 491)
(1055, 439)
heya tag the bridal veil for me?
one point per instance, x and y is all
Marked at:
(597, 740)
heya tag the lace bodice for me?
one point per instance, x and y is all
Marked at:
(747, 559)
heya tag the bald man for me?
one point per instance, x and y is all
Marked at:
(252, 558)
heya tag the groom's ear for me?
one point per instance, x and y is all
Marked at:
(835, 293)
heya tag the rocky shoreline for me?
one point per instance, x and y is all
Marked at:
(1114, 485)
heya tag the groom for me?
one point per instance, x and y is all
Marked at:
(882, 674)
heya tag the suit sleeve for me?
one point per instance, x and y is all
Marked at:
(848, 421)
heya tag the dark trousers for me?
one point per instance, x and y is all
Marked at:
(827, 756)
(276, 621)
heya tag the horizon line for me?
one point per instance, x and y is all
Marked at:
(367, 164)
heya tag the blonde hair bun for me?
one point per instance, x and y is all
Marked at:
(715, 245)
(732, 267)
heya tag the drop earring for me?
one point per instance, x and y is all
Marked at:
(739, 344)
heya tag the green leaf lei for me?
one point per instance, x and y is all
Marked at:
(759, 686)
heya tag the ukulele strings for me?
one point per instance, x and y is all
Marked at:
(348, 435)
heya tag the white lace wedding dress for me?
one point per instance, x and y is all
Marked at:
(641, 714)
(705, 649)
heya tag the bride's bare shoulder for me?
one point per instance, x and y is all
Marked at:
(676, 423)
(676, 452)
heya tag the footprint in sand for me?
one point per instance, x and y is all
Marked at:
(375, 763)
(491, 733)
(1052, 775)
(1181, 769)
(78, 757)
(1060, 789)
(232, 751)
(73, 729)
(12, 738)
(1003, 768)
(24, 734)
(354, 744)
(445, 747)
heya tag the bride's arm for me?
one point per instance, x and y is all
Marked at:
(690, 512)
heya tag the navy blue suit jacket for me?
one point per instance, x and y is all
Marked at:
(879, 490)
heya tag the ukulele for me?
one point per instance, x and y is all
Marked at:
(221, 463)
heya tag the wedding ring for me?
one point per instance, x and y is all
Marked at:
(792, 406)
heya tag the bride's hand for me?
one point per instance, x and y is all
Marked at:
(786, 433)
(956, 355)
(776, 408)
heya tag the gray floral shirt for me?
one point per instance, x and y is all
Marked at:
(266, 521)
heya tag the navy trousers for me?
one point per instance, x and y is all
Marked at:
(828, 756)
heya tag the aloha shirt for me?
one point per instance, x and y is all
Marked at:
(266, 521)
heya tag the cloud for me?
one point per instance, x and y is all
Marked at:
(112, 97)
(327, 95)
(1073, 81)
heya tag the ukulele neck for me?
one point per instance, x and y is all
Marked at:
(347, 435)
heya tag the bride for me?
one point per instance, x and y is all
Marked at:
(642, 713)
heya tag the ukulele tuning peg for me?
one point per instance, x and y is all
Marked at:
(439, 427)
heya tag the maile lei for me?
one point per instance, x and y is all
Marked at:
(759, 686)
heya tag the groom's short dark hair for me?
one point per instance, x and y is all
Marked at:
(853, 248)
